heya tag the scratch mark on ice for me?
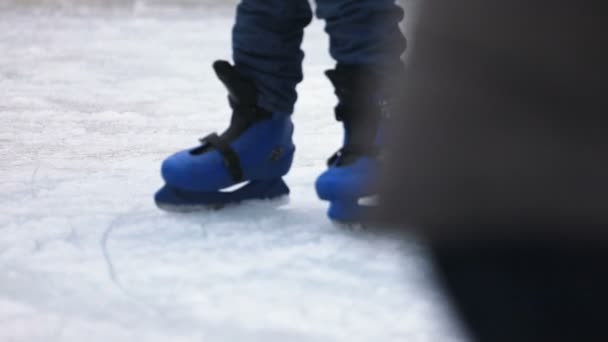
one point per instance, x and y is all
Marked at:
(33, 181)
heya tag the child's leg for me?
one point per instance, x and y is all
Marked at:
(257, 148)
(266, 48)
(367, 44)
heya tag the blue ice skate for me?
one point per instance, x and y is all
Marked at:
(351, 187)
(351, 182)
(254, 153)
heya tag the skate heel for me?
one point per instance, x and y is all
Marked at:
(174, 199)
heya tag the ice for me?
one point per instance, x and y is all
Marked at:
(91, 100)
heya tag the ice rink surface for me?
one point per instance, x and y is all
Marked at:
(91, 100)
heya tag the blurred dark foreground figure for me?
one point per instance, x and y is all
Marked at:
(501, 163)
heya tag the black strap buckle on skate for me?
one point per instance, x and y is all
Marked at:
(231, 158)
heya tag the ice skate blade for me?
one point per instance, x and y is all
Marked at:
(177, 200)
(186, 209)
(352, 212)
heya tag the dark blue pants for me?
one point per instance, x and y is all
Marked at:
(267, 36)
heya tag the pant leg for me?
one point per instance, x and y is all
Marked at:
(364, 31)
(266, 41)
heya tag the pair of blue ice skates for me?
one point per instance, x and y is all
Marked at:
(249, 159)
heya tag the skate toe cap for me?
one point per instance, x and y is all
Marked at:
(339, 183)
(205, 172)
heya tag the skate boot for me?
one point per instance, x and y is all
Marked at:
(252, 155)
(351, 182)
